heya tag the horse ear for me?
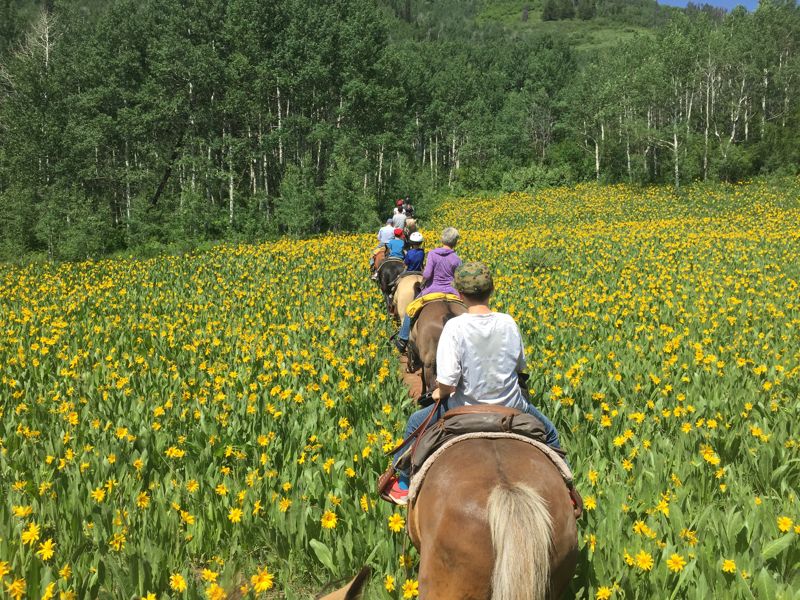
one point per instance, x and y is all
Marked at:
(354, 589)
(417, 288)
(359, 583)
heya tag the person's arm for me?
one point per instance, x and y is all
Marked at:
(522, 364)
(448, 364)
(443, 391)
(427, 274)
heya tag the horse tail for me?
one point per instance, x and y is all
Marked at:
(522, 531)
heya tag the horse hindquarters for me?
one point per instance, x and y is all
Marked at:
(462, 535)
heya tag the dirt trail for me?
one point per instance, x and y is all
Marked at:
(411, 380)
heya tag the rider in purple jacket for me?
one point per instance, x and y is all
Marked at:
(437, 277)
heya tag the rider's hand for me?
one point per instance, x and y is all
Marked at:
(436, 394)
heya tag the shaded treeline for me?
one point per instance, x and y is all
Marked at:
(136, 123)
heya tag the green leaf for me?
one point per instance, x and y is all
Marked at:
(323, 554)
(775, 547)
(765, 584)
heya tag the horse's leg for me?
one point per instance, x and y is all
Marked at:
(429, 376)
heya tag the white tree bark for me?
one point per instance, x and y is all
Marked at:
(280, 127)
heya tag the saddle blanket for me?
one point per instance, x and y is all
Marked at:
(417, 304)
(555, 458)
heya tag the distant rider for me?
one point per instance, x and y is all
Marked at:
(399, 217)
(415, 255)
(408, 208)
(385, 235)
(396, 245)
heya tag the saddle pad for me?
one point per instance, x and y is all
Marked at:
(417, 304)
(419, 476)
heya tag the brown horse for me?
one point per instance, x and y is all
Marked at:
(379, 256)
(407, 288)
(424, 339)
(493, 520)
(388, 273)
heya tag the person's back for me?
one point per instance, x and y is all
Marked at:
(396, 245)
(385, 234)
(399, 220)
(415, 258)
(481, 356)
(440, 270)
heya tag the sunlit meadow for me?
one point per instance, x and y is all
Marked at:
(212, 425)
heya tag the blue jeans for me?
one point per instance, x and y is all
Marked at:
(405, 331)
(418, 417)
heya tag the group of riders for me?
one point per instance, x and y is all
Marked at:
(480, 357)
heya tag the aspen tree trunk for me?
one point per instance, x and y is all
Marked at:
(430, 154)
(380, 168)
(116, 210)
(230, 177)
(263, 156)
(209, 187)
(705, 131)
(628, 157)
(785, 96)
(676, 155)
(181, 185)
(764, 103)
(127, 188)
(747, 120)
(280, 127)
(436, 154)
(452, 161)
(596, 160)
(252, 162)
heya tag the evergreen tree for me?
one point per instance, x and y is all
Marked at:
(586, 10)
(551, 10)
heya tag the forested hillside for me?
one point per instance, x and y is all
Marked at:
(135, 124)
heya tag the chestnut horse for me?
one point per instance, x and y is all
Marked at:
(493, 520)
(407, 288)
(424, 339)
(379, 256)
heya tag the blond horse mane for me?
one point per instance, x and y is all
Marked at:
(522, 533)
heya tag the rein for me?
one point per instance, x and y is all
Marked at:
(417, 433)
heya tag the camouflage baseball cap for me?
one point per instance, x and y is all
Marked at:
(473, 278)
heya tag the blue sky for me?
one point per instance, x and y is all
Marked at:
(728, 4)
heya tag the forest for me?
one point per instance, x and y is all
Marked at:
(145, 125)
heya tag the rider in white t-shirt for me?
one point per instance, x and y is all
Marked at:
(478, 361)
(480, 355)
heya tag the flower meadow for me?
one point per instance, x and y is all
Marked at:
(212, 425)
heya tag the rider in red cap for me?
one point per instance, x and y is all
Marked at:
(397, 245)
